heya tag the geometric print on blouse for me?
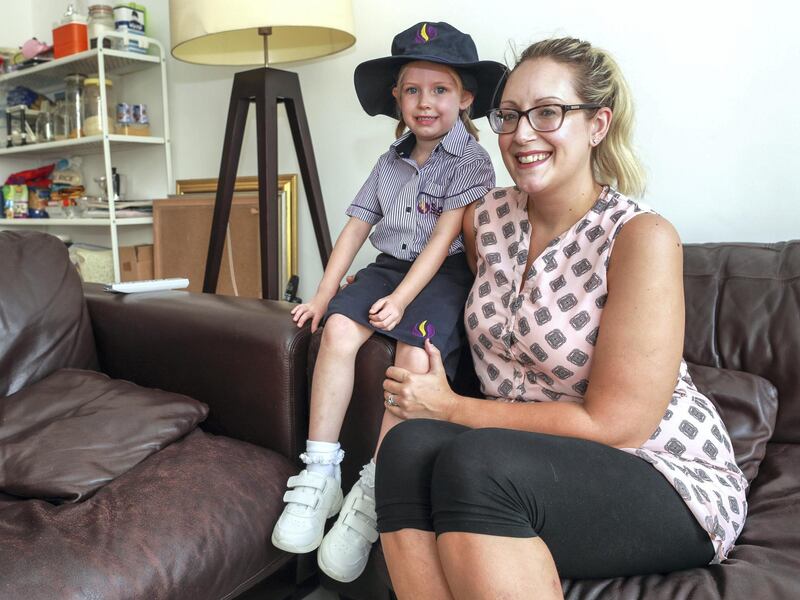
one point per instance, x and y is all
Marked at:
(533, 334)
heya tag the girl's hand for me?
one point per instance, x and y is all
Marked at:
(386, 313)
(420, 395)
(314, 309)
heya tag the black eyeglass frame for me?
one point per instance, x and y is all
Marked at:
(565, 108)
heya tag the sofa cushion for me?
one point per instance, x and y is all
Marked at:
(44, 324)
(743, 313)
(191, 522)
(764, 563)
(748, 405)
(74, 431)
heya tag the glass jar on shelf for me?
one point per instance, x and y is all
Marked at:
(73, 99)
(101, 20)
(60, 119)
(93, 107)
(45, 127)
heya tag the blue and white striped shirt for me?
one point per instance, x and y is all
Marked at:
(405, 200)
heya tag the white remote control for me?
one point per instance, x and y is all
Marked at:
(151, 285)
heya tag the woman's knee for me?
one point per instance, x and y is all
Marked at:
(415, 441)
(409, 450)
(470, 457)
(480, 485)
(490, 461)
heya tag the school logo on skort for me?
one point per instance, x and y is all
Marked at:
(424, 330)
(426, 34)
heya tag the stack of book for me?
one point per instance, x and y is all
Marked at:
(96, 208)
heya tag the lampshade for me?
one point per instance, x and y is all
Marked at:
(225, 32)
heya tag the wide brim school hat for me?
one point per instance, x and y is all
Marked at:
(433, 42)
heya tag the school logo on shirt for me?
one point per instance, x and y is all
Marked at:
(423, 330)
(426, 33)
(425, 206)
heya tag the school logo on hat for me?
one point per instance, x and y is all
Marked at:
(439, 43)
(424, 330)
(426, 33)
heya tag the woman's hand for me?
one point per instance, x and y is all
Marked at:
(387, 312)
(314, 309)
(410, 395)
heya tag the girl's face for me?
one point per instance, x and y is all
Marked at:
(545, 162)
(430, 99)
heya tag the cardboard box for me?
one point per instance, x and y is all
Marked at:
(136, 262)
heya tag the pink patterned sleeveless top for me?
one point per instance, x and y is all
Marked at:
(533, 336)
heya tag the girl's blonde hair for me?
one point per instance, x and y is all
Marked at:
(598, 79)
(463, 114)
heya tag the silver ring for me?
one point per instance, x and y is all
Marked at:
(391, 401)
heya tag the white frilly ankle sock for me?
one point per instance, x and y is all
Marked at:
(322, 457)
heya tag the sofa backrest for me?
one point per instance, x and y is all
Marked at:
(743, 313)
(44, 324)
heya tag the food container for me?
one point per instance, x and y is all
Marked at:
(73, 99)
(71, 35)
(132, 119)
(130, 19)
(101, 20)
(93, 107)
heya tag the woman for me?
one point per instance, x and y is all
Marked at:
(603, 459)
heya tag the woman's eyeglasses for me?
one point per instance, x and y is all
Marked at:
(547, 117)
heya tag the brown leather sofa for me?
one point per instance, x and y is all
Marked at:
(742, 338)
(193, 520)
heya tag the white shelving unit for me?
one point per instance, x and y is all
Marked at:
(104, 63)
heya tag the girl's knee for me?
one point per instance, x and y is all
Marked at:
(344, 333)
(411, 358)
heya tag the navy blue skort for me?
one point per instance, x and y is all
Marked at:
(437, 313)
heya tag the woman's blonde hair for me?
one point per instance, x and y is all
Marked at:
(598, 79)
(463, 114)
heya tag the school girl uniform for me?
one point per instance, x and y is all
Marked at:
(404, 202)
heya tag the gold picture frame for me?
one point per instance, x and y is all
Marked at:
(287, 212)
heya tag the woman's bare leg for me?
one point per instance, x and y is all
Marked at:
(411, 554)
(486, 566)
(332, 383)
(414, 566)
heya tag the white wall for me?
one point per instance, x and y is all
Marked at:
(715, 83)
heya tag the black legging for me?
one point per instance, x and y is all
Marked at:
(602, 512)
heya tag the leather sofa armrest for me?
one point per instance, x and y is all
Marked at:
(243, 357)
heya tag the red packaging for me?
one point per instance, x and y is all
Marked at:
(70, 38)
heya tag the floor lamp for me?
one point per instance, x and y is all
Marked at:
(248, 32)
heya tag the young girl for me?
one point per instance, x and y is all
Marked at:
(415, 197)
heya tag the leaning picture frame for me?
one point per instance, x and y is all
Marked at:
(287, 212)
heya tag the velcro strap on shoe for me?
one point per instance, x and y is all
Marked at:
(365, 528)
(306, 479)
(366, 506)
(301, 496)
